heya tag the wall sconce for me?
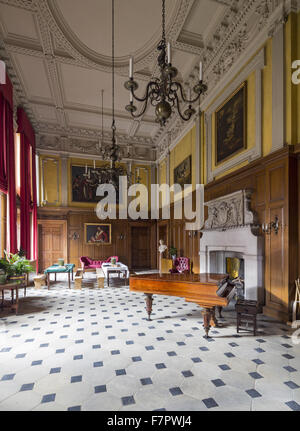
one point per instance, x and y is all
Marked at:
(267, 227)
(121, 236)
(43, 203)
(75, 236)
(192, 234)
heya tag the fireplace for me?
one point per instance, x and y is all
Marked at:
(231, 231)
(219, 262)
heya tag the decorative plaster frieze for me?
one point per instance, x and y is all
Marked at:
(72, 145)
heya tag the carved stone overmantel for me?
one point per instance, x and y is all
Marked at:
(231, 231)
(230, 211)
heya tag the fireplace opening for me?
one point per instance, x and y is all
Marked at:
(220, 262)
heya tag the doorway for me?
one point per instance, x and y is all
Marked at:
(52, 236)
(140, 247)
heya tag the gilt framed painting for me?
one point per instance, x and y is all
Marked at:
(97, 234)
(231, 125)
(183, 172)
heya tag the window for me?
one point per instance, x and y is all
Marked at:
(18, 165)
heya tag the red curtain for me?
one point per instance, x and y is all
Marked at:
(7, 159)
(3, 165)
(28, 185)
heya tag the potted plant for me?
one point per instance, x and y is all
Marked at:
(4, 270)
(16, 267)
(173, 252)
(113, 261)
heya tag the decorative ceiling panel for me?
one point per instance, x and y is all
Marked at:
(58, 57)
(18, 22)
(89, 22)
(33, 74)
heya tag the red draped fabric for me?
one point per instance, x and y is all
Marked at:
(28, 185)
(7, 160)
(3, 161)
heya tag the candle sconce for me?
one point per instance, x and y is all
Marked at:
(268, 227)
(192, 233)
(121, 236)
(75, 236)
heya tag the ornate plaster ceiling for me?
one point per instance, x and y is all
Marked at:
(58, 56)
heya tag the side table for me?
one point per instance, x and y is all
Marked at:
(246, 313)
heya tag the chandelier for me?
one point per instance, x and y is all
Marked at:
(164, 93)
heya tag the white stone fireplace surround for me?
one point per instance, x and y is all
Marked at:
(231, 229)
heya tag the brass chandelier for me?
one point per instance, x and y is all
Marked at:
(164, 93)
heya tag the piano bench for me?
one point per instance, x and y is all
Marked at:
(246, 312)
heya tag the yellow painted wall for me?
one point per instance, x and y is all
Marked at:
(52, 177)
(298, 86)
(267, 101)
(50, 180)
(185, 148)
(144, 173)
(292, 91)
(187, 145)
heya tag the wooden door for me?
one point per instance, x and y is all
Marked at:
(140, 247)
(52, 242)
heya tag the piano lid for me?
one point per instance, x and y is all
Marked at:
(205, 278)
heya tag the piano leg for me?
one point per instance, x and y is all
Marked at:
(207, 316)
(213, 319)
(220, 312)
(149, 301)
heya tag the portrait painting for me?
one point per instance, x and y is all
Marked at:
(97, 234)
(230, 119)
(183, 172)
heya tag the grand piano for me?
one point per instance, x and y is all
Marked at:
(207, 290)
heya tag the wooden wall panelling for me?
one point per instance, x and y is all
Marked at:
(52, 238)
(121, 235)
(277, 274)
(274, 180)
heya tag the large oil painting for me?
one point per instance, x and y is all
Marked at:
(85, 184)
(97, 234)
(231, 125)
(183, 172)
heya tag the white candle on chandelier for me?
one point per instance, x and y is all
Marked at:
(94, 164)
(86, 168)
(200, 71)
(131, 97)
(131, 67)
(169, 53)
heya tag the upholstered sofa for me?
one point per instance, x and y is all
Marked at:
(87, 263)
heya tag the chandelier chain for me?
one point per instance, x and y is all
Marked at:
(113, 65)
(164, 20)
(164, 92)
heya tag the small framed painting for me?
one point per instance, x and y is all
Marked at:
(183, 172)
(97, 234)
(231, 125)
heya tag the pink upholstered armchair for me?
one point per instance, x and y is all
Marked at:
(181, 266)
(87, 263)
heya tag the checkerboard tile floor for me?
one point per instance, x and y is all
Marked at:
(94, 350)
